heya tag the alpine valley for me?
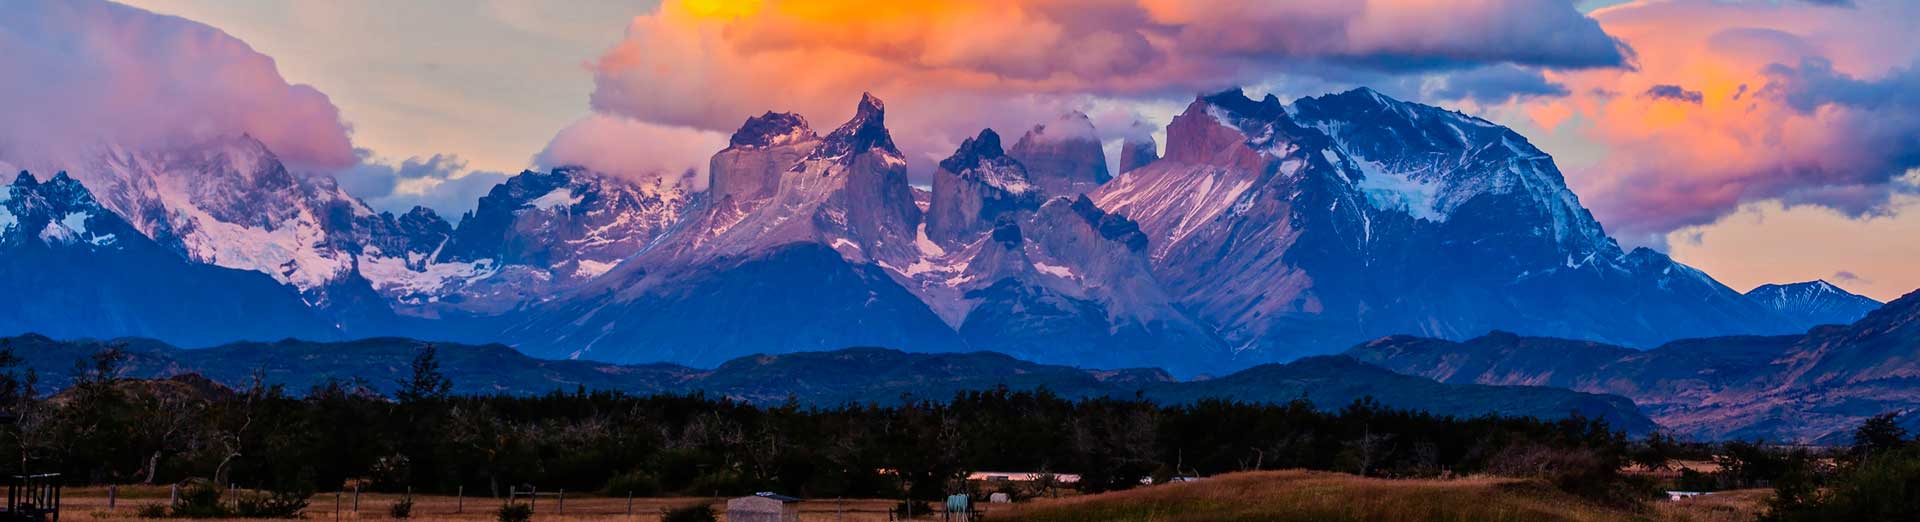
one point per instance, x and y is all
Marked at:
(1266, 232)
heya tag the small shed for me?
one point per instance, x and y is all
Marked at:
(999, 498)
(764, 507)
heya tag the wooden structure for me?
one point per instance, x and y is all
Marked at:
(764, 507)
(959, 508)
(33, 498)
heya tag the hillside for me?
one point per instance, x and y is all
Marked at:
(1812, 387)
(1278, 496)
(856, 375)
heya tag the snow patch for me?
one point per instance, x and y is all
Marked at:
(1054, 270)
(561, 198)
(7, 219)
(927, 246)
(589, 268)
(392, 275)
(1387, 190)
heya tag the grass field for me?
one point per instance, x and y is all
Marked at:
(1282, 496)
(90, 504)
(1272, 496)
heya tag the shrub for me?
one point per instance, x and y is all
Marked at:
(402, 508)
(277, 504)
(638, 483)
(1878, 488)
(694, 513)
(515, 513)
(152, 511)
(1580, 471)
(199, 500)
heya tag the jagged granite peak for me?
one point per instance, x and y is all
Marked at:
(1136, 152)
(57, 213)
(976, 187)
(984, 148)
(570, 223)
(1814, 303)
(771, 130)
(749, 169)
(866, 131)
(1063, 155)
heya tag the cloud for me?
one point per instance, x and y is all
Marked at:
(1675, 93)
(1494, 84)
(85, 73)
(949, 68)
(634, 150)
(1775, 102)
(441, 182)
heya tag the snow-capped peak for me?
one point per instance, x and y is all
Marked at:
(772, 129)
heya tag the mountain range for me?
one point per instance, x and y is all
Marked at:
(832, 378)
(1266, 232)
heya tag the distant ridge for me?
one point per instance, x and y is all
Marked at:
(853, 375)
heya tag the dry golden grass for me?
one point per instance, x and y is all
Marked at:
(1277, 496)
(90, 505)
(1727, 506)
(1280, 496)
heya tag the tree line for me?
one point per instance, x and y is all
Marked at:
(103, 428)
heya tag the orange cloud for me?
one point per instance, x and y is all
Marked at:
(951, 67)
(1710, 118)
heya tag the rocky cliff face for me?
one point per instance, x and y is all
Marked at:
(1063, 156)
(975, 188)
(1136, 153)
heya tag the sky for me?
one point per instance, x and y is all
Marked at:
(1762, 140)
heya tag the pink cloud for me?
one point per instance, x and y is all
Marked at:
(86, 73)
(1735, 103)
(634, 150)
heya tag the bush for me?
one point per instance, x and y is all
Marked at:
(694, 513)
(199, 500)
(515, 513)
(402, 508)
(638, 483)
(277, 504)
(152, 511)
(1580, 471)
(1878, 488)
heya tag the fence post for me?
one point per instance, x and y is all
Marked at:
(356, 499)
(113, 495)
(460, 500)
(629, 505)
(561, 507)
(336, 506)
(173, 495)
(533, 498)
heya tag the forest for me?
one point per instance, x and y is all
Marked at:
(102, 428)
